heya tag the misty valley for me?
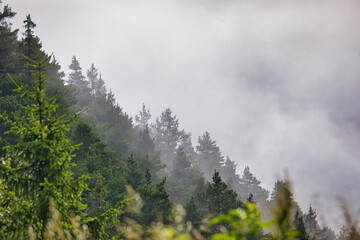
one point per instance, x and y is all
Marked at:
(75, 165)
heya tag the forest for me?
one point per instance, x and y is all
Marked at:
(74, 165)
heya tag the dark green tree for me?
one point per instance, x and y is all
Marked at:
(97, 203)
(30, 43)
(37, 168)
(300, 227)
(8, 44)
(156, 202)
(133, 175)
(218, 198)
(192, 213)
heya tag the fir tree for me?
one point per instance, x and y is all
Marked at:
(167, 136)
(8, 43)
(218, 198)
(77, 80)
(133, 175)
(210, 157)
(300, 227)
(142, 120)
(192, 213)
(37, 168)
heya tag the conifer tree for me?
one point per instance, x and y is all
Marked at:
(8, 43)
(30, 43)
(311, 223)
(249, 184)
(92, 75)
(218, 198)
(77, 80)
(97, 203)
(36, 169)
(210, 158)
(300, 227)
(133, 175)
(192, 213)
(142, 120)
(167, 136)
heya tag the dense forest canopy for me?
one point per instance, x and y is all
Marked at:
(72, 157)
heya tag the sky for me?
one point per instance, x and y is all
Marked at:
(276, 83)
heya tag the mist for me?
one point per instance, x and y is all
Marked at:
(276, 83)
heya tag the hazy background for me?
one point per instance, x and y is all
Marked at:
(276, 83)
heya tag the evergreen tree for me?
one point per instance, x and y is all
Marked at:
(37, 168)
(8, 44)
(93, 78)
(192, 213)
(218, 198)
(167, 136)
(133, 175)
(97, 203)
(300, 227)
(78, 81)
(311, 223)
(157, 205)
(210, 158)
(249, 184)
(30, 43)
(142, 120)
(229, 172)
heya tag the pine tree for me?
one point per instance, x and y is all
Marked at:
(229, 172)
(210, 158)
(77, 80)
(8, 43)
(97, 203)
(142, 120)
(249, 184)
(167, 136)
(218, 198)
(92, 75)
(30, 43)
(157, 205)
(133, 175)
(192, 213)
(36, 169)
(311, 223)
(300, 227)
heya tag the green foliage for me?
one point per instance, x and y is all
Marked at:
(240, 224)
(36, 169)
(192, 213)
(218, 198)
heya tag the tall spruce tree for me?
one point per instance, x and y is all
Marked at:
(142, 120)
(300, 227)
(218, 198)
(8, 43)
(249, 184)
(78, 81)
(210, 158)
(37, 168)
(167, 136)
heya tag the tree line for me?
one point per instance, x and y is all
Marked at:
(102, 169)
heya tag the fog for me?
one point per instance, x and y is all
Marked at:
(276, 83)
